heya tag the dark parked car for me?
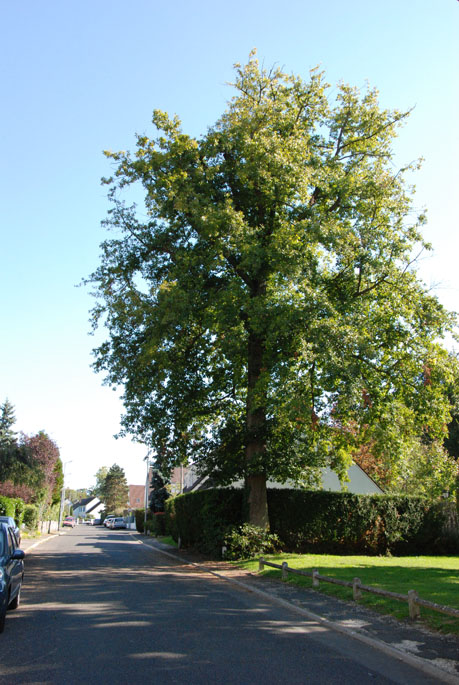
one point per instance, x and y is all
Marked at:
(11, 572)
(9, 520)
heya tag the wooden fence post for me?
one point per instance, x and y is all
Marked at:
(261, 564)
(356, 591)
(414, 608)
(315, 580)
(284, 570)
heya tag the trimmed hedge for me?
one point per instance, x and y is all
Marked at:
(316, 521)
(334, 522)
(202, 519)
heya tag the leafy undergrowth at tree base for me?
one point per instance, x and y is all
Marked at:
(434, 578)
(246, 541)
(167, 540)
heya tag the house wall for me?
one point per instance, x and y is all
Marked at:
(136, 496)
(78, 511)
(359, 482)
(97, 510)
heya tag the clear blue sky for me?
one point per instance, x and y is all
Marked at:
(81, 77)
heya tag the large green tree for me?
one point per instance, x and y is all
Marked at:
(262, 308)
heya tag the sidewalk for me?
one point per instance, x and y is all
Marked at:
(412, 642)
(30, 543)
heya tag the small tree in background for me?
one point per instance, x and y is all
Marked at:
(17, 477)
(115, 490)
(76, 495)
(7, 420)
(159, 492)
(46, 462)
(100, 477)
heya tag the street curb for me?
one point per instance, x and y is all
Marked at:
(410, 659)
(41, 541)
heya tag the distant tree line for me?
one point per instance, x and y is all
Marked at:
(30, 465)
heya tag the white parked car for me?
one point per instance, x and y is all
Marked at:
(118, 522)
(108, 521)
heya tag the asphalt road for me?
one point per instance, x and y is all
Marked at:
(100, 607)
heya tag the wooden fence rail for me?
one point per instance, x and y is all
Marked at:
(414, 601)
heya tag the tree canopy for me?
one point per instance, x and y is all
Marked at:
(100, 477)
(263, 312)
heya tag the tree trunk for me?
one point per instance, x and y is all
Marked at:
(256, 445)
(258, 502)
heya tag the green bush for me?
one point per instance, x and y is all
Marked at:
(202, 519)
(140, 519)
(246, 541)
(170, 516)
(8, 506)
(440, 532)
(30, 518)
(158, 523)
(19, 510)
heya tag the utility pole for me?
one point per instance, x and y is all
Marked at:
(147, 459)
(61, 508)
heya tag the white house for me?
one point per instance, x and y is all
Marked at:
(89, 506)
(359, 482)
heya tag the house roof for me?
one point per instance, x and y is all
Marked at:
(94, 506)
(84, 502)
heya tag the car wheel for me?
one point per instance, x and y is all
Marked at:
(16, 601)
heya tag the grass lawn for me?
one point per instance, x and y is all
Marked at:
(167, 540)
(434, 578)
